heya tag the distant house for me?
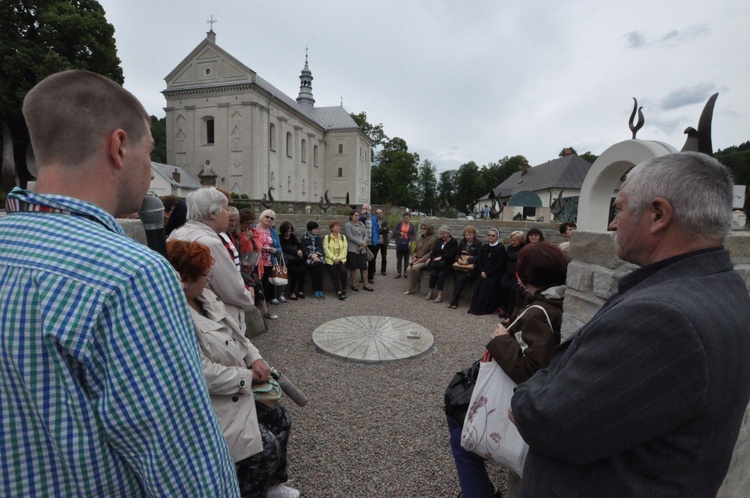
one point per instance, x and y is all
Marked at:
(542, 192)
(172, 180)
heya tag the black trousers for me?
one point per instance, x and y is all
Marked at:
(383, 249)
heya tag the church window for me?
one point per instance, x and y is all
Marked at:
(304, 151)
(341, 172)
(272, 136)
(209, 130)
(289, 144)
(341, 148)
(315, 156)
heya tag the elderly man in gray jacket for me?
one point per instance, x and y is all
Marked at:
(647, 398)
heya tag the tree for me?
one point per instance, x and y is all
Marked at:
(41, 38)
(588, 156)
(159, 132)
(468, 189)
(567, 151)
(394, 174)
(737, 159)
(447, 187)
(375, 132)
(427, 187)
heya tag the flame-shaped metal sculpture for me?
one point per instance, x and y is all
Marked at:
(327, 204)
(700, 140)
(444, 205)
(557, 207)
(268, 201)
(641, 121)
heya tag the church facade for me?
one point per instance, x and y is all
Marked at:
(233, 129)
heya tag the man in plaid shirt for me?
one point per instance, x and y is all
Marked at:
(101, 387)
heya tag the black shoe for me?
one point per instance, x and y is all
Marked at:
(370, 281)
(384, 273)
(398, 276)
(341, 296)
(355, 289)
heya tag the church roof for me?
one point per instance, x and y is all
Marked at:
(334, 118)
(565, 172)
(186, 180)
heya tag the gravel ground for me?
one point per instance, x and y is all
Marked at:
(373, 430)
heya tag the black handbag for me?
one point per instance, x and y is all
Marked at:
(458, 393)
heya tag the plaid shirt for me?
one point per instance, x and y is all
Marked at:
(102, 391)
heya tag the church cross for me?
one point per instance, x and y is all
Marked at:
(211, 21)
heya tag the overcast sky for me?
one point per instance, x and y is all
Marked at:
(472, 80)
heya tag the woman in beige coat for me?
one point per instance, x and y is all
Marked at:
(256, 436)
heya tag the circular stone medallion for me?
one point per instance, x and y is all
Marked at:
(372, 338)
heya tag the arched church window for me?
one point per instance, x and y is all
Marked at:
(272, 136)
(289, 144)
(315, 156)
(304, 151)
(341, 148)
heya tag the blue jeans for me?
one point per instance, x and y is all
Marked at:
(472, 473)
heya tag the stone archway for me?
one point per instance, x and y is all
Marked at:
(602, 178)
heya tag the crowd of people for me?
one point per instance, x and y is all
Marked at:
(112, 354)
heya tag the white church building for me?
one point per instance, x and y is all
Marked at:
(231, 128)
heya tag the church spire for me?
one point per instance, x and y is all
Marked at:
(305, 96)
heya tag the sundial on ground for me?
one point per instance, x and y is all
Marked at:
(372, 338)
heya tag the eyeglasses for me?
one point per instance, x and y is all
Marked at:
(423, 228)
(491, 235)
(208, 276)
(270, 218)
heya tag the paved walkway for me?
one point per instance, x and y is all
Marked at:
(373, 429)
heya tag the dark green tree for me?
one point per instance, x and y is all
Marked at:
(564, 153)
(159, 132)
(375, 132)
(447, 187)
(469, 187)
(39, 38)
(494, 174)
(737, 159)
(394, 174)
(427, 187)
(588, 156)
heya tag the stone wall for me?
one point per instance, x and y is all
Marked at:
(592, 278)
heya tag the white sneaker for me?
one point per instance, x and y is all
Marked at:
(282, 299)
(281, 491)
(274, 301)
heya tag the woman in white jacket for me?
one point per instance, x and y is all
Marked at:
(256, 436)
(207, 218)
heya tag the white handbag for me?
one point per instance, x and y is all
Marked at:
(487, 430)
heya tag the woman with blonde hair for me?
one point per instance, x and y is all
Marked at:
(270, 251)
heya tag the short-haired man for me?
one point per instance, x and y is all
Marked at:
(566, 230)
(101, 386)
(647, 398)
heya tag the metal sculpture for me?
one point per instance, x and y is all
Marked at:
(641, 121)
(327, 204)
(700, 140)
(268, 201)
(444, 205)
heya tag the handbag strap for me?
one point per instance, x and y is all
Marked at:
(549, 322)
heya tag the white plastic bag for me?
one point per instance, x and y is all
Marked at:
(487, 430)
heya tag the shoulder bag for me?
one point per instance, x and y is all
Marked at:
(279, 275)
(487, 430)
